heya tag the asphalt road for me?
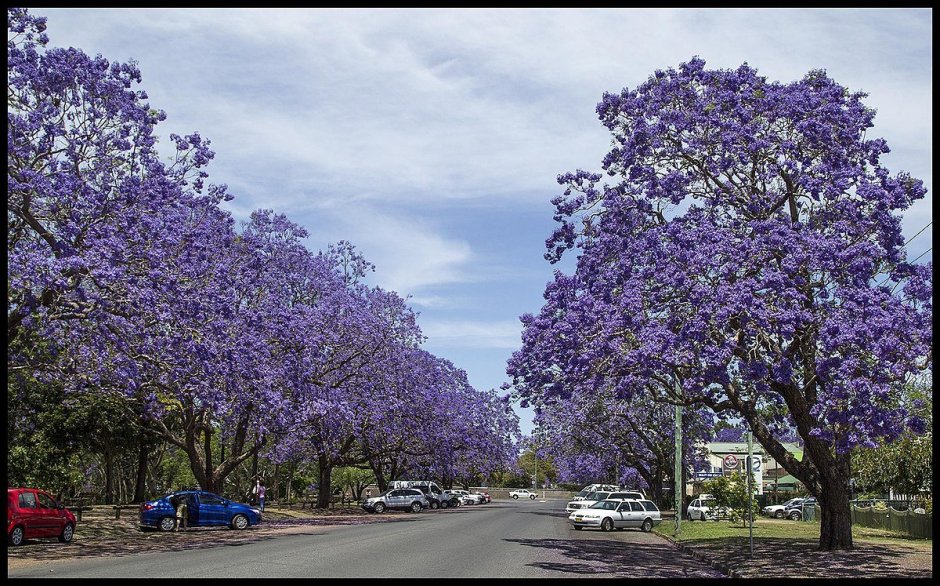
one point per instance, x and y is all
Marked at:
(503, 539)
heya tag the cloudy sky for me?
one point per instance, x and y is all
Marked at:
(431, 138)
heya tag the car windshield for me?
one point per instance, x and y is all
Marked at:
(606, 505)
(597, 496)
(387, 492)
(709, 503)
(584, 493)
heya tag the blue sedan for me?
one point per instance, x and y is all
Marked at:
(204, 509)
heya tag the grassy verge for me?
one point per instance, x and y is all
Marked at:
(698, 531)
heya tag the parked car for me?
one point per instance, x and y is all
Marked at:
(432, 492)
(453, 498)
(780, 511)
(465, 497)
(705, 507)
(608, 515)
(407, 499)
(203, 509)
(486, 495)
(594, 497)
(479, 497)
(594, 488)
(32, 513)
(795, 512)
(522, 493)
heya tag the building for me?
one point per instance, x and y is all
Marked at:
(727, 457)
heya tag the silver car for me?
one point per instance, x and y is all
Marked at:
(408, 499)
(608, 515)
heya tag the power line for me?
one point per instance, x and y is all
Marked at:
(922, 254)
(918, 233)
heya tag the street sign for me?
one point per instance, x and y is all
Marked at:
(700, 475)
(731, 462)
(756, 463)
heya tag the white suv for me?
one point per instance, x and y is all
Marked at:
(522, 493)
(598, 496)
(409, 499)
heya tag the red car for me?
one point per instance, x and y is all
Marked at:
(33, 513)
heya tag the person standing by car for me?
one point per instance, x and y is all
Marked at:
(181, 511)
(260, 491)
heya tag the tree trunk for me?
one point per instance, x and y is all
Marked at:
(140, 488)
(835, 523)
(325, 482)
(108, 478)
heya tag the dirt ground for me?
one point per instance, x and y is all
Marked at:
(99, 534)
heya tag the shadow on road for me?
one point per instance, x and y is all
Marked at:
(611, 558)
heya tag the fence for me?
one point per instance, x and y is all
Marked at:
(914, 524)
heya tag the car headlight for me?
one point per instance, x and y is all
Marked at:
(256, 511)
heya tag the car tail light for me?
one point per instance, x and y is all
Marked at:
(146, 507)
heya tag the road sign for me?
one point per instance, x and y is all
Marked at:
(731, 461)
(700, 475)
(756, 463)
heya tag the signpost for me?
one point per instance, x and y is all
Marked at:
(750, 493)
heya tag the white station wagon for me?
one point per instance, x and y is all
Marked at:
(617, 514)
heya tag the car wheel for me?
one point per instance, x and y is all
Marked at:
(795, 515)
(515, 496)
(607, 524)
(167, 523)
(779, 514)
(532, 496)
(379, 507)
(416, 507)
(16, 536)
(647, 525)
(434, 505)
(578, 528)
(240, 522)
(67, 533)
(444, 504)
(689, 516)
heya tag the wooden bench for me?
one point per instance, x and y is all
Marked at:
(80, 503)
(119, 508)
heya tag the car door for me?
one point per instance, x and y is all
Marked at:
(637, 514)
(622, 515)
(51, 517)
(393, 500)
(29, 513)
(212, 509)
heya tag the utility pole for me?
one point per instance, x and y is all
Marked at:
(678, 473)
(750, 492)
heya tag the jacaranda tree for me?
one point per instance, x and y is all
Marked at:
(747, 256)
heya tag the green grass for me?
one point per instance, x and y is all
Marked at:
(699, 531)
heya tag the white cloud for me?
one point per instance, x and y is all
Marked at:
(505, 334)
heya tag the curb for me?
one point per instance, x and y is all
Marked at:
(721, 567)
